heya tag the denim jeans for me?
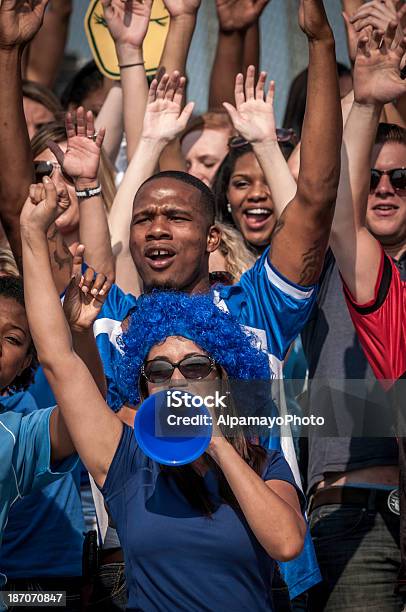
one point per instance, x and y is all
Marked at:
(72, 586)
(109, 589)
(359, 558)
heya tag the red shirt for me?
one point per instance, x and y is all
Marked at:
(381, 324)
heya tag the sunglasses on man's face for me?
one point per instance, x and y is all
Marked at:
(47, 168)
(283, 135)
(192, 367)
(397, 177)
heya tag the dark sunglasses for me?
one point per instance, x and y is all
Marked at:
(397, 177)
(283, 135)
(47, 168)
(223, 278)
(193, 367)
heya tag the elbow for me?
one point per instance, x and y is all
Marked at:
(292, 545)
(319, 196)
(290, 551)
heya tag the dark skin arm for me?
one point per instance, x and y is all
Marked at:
(46, 50)
(301, 236)
(17, 28)
(237, 46)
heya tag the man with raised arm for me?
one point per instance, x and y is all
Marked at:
(374, 285)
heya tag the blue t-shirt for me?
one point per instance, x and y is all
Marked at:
(275, 310)
(50, 543)
(176, 557)
(25, 452)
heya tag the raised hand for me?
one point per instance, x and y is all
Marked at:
(313, 20)
(20, 20)
(82, 156)
(253, 115)
(177, 8)
(377, 77)
(239, 14)
(85, 294)
(164, 119)
(45, 203)
(378, 14)
(127, 21)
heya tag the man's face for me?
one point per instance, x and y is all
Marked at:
(170, 240)
(386, 213)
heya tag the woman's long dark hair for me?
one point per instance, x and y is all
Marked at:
(222, 181)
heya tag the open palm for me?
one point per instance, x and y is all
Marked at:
(127, 22)
(164, 118)
(20, 20)
(239, 14)
(253, 117)
(377, 68)
(82, 156)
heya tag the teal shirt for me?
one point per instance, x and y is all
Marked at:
(25, 453)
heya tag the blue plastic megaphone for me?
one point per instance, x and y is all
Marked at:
(172, 428)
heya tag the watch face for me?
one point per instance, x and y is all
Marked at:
(102, 44)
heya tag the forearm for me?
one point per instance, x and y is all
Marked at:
(277, 526)
(50, 333)
(47, 49)
(277, 174)
(84, 345)
(177, 44)
(94, 232)
(251, 53)
(142, 166)
(322, 130)
(111, 118)
(15, 149)
(228, 63)
(135, 94)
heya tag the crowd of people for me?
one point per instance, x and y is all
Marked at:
(145, 247)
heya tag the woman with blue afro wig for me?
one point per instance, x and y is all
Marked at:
(159, 315)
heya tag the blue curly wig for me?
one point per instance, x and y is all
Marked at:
(161, 314)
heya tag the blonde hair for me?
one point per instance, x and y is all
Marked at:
(56, 132)
(239, 258)
(8, 266)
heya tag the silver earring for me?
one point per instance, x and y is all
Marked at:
(229, 207)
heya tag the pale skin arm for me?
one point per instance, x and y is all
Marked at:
(96, 431)
(376, 80)
(163, 121)
(261, 502)
(111, 118)
(128, 24)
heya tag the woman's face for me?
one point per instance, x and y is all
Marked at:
(36, 114)
(15, 340)
(250, 200)
(174, 349)
(204, 150)
(68, 222)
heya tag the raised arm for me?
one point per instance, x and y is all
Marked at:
(17, 28)
(128, 25)
(238, 28)
(81, 161)
(164, 120)
(253, 117)
(376, 81)
(93, 427)
(302, 233)
(45, 53)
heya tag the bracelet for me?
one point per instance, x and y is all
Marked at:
(89, 193)
(121, 66)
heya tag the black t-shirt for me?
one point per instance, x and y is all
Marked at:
(333, 352)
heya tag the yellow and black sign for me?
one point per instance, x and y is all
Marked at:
(102, 44)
